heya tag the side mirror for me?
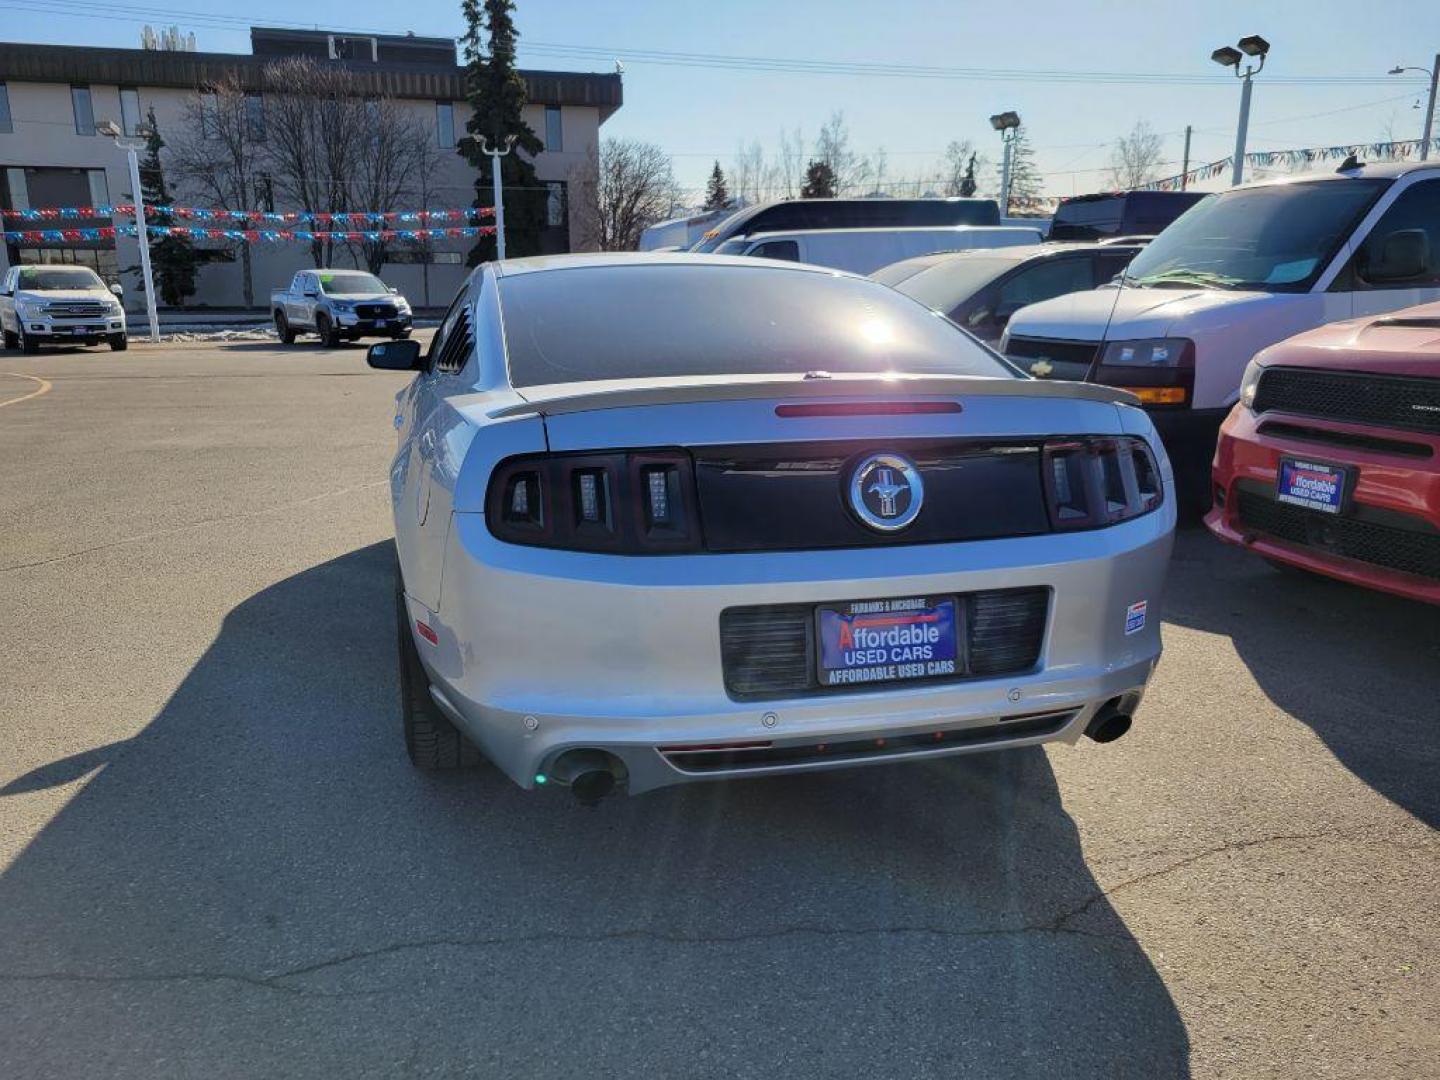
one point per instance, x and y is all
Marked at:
(1403, 255)
(118, 289)
(393, 289)
(403, 355)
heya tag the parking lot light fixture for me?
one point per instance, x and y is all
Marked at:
(1257, 48)
(132, 148)
(495, 152)
(1428, 131)
(1008, 125)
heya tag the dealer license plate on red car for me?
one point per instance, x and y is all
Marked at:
(1311, 484)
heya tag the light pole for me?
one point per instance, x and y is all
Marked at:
(142, 234)
(1008, 125)
(495, 155)
(1255, 47)
(1434, 73)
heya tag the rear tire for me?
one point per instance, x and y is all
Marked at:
(28, 345)
(431, 740)
(329, 335)
(282, 329)
(119, 342)
(11, 340)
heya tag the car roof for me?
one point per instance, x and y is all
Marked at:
(886, 230)
(540, 263)
(1017, 254)
(1380, 170)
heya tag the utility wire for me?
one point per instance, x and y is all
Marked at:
(722, 61)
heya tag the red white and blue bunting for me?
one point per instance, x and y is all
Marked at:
(1400, 150)
(251, 236)
(190, 213)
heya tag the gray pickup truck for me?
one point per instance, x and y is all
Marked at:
(339, 305)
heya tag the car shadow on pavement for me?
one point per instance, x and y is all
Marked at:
(1360, 668)
(259, 884)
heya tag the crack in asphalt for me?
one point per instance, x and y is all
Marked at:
(1219, 849)
(1061, 924)
(141, 537)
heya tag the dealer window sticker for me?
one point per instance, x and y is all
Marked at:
(1135, 617)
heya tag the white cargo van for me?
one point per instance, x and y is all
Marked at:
(863, 251)
(1237, 272)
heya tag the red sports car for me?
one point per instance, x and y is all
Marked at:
(1330, 461)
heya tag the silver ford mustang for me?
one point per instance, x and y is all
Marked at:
(682, 517)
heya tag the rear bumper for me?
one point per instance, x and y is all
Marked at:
(543, 651)
(1391, 492)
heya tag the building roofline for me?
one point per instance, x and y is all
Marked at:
(24, 62)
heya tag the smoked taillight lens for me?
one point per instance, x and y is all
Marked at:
(1095, 481)
(630, 503)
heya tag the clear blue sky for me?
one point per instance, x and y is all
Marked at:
(699, 114)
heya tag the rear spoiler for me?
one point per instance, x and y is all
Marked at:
(560, 398)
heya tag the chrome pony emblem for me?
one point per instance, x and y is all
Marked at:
(886, 492)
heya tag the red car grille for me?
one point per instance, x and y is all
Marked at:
(1392, 401)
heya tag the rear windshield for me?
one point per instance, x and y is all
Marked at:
(638, 322)
(40, 278)
(946, 285)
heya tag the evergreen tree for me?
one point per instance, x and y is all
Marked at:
(819, 181)
(717, 196)
(496, 92)
(967, 182)
(173, 259)
(1024, 180)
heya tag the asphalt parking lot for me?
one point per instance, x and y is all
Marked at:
(216, 861)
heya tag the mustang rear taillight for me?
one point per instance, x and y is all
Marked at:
(630, 503)
(1095, 481)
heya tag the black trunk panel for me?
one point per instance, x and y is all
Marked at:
(775, 498)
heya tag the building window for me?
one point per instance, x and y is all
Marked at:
(5, 124)
(209, 114)
(255, 117)
(445, 124)
(99, 187)
(84, 112)
(553, 140)
(556, 211)
(130, 111)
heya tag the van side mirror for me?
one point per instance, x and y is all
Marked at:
(118, 289)
(1403, 255)
(402, 355)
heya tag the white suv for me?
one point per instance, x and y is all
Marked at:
(53, 304)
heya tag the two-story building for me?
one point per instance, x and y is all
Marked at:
(52, 97)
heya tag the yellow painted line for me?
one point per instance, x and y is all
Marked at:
(44, 388)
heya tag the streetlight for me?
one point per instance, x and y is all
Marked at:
(1255, 47)
(1434, 73)
(142, 234)
(1008, 125)
(487, 148)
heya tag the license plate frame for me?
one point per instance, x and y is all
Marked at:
(1311, 477)
(903, 662)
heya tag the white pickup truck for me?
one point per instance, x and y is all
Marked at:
(53, 305)
(339, 305)
(1236, 273)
